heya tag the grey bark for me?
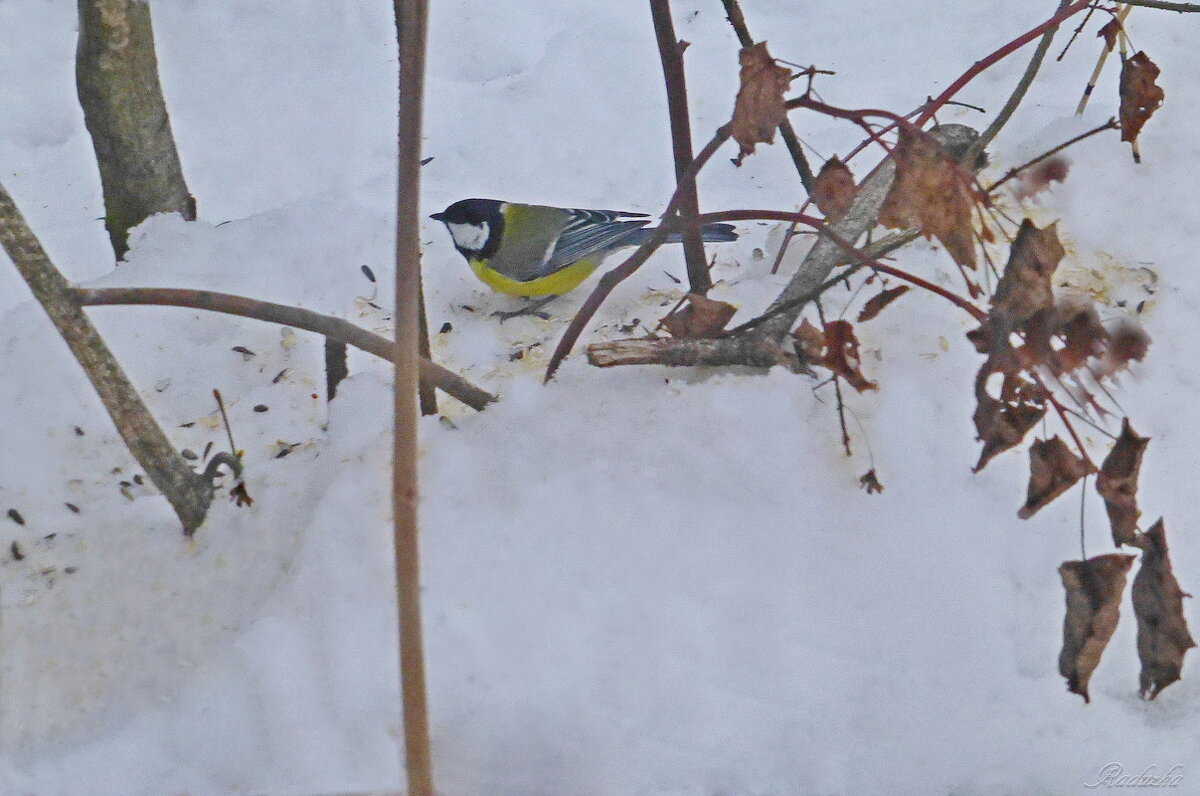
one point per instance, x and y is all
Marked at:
(116, 76)
(826, 254)
(188, 492)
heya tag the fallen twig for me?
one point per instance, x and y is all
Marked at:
(338, 328)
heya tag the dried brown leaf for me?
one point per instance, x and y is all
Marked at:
(699, 317)
(810, 341)
(1140, 96)
(870, 482)
(1110, 32)
(1163, 637)
(1082, 335)
(1024, 288)
(240, 494)
(841, 355)
(933, 193)
(1117, 483)
(1094, 590)
(1127, 343)
(759, 108)
(1002, 424)
(1040, 176)
(876, 303)
(834, 189)
(1053, 469)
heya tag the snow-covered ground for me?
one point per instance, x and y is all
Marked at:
(637, 581)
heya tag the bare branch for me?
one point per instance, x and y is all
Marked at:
(670, 51)
(411, 24)
(1014, 100)
(829, 251)
(998, 55)
(336, 328)
(1182, 8)
(1111, 124)
(749, 350)
(187, 492)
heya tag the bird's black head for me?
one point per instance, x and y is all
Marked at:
(476, 225)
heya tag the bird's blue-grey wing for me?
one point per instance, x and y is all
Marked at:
(591, 231)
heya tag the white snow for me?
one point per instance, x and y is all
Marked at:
(636, 580)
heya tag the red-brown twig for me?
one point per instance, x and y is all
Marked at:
(998, 55)
(1022, 87)
(858, 116)
(854, 253)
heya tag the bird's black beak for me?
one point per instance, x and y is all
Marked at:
(438, 216)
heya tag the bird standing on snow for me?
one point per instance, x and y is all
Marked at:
(536, 250)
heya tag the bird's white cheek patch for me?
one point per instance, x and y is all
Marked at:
(471, 237)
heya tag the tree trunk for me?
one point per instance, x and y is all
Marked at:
(116, 75)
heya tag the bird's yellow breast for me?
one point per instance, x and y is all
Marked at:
(561, 281)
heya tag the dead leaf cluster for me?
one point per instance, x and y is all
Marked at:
(1029, 336)
(1093, 593)
(835, 348)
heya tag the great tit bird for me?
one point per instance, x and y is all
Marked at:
(535, 250)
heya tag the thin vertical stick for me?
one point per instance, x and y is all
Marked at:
(1095, 78)
(1082, 524)
(411, 16)
(670, 50)
(426, 395)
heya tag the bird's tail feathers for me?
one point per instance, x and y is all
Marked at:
(710, 233)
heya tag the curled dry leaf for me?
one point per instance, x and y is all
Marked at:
(841, 355)
(1040, 176)
(1163, 637)
(1053, 469)
(1025, 288)
(698, 317)
(809, 341)
(932, 192)
(1110, 32)
(1117, 483)
(1082, 335)
(241, 495)
(1094, 590)
(870, 482)
(1127, 343)
(1140, 96)
(1062, 338)
(759, 108)
(1002, 424)
(834, 189)
(876, 303)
